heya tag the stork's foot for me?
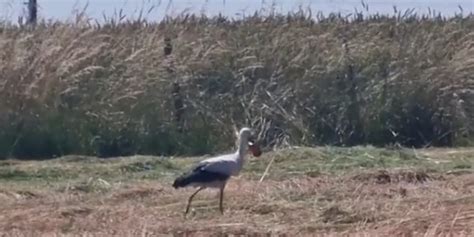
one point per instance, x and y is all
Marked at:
(221, 208)
(189, 213)
(185, 213)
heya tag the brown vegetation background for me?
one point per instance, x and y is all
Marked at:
(109, 89)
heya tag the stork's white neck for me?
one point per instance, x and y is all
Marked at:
(243, 147)
(241, 152)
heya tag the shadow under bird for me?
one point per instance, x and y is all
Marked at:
(216, 171)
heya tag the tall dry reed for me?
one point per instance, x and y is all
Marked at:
(108, 88)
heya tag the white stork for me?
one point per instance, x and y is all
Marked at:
(215, 172)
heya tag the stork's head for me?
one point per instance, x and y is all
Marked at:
(246, 134)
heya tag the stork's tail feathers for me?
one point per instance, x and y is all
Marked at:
(181, 181)
(198, 176)
(186, 179)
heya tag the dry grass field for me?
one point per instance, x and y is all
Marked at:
(326, 191)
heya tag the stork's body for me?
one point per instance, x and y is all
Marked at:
(215, 172)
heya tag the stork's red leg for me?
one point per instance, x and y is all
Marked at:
(191, 199)
(221, 197)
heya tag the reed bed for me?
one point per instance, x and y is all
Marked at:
(178, 86)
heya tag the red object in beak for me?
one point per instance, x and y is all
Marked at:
(255, 149)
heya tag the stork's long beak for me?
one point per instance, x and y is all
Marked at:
(254, 148)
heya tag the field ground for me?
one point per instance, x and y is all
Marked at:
(327, 191)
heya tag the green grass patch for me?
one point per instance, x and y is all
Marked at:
(311, 162)
(49, 174)
(335, 160)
